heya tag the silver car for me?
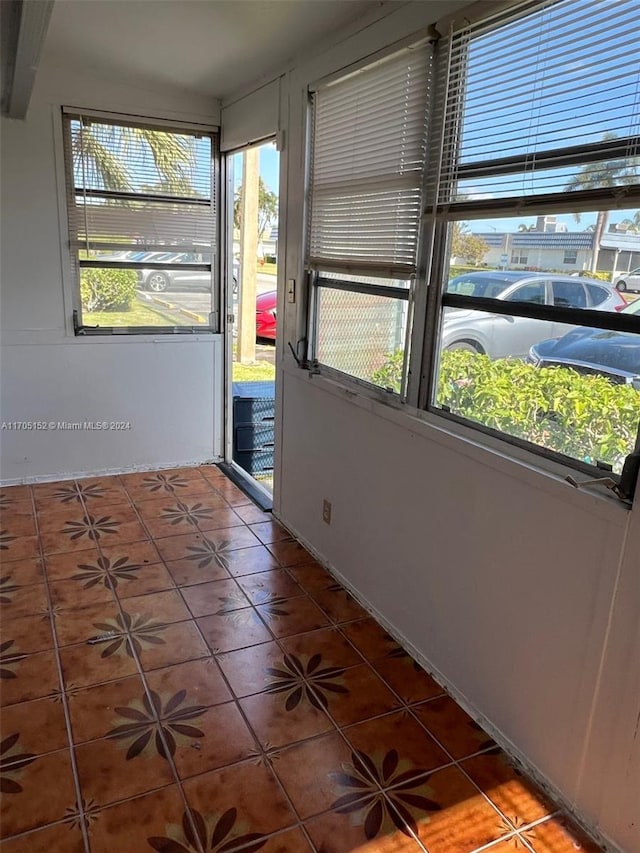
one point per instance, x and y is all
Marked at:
(502, 335)
(628, 281)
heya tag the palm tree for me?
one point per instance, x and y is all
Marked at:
(104, 156)
(595, 176)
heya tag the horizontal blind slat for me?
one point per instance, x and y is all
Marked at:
(561, 84)
(369, 143)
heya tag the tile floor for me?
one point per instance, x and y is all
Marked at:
(179, 675)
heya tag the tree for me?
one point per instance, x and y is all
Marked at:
(467, 246)
(595, 176)
(522, 227)
(267, 207)
(103, 156)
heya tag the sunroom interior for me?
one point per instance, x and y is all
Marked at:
(516, 589)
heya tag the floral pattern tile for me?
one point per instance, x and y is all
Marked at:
(181, 641)
(457, 818)
(29, 633)
(17, 600)
(263, 587)
(110, 770)
(329, 642)
(249, 560)
(65, 837)
(35, 792)
(24, 677)
(203, 678)
(279, 719)
(127, 827)
(557, 835)
(338, 832)
(236, 630)
(370, 639)
(203, 550)
(453, 727)
(187, 572)
(290, 553)
(241, 800)
(200, 644)
(508, 789)
(286, 617)
(222, 596)
(39, 726)
(17, 547)
(308, 772)
(270, 531)
(407, 678)
(19, 522)
(84, 665)
(92, 709)
(248, 670)
(66, 565)
(398, 733)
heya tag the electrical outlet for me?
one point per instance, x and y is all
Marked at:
(326, 511)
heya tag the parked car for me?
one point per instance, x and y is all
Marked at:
(628, 281)
(266, 315)
(615, 355)
(160, 280)
(501, 335)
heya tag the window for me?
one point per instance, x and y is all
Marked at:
(569, 294)
(430, 247)
(142, 225)
(555, 144)
(368, 154)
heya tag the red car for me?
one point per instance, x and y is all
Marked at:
(266, 315)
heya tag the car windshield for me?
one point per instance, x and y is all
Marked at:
(633, 308)
(478, 285)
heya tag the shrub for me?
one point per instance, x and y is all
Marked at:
(585, 417)
(107, 290)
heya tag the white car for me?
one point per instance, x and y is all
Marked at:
(628, 281)
(504, 335)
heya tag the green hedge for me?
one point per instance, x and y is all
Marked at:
(585, 417)
(107, 290)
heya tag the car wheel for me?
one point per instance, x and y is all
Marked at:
(157, 282)
(621, 286)
(465, 346)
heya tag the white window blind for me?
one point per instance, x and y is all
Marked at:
(544, 104)
(135, 186)
(369, 147)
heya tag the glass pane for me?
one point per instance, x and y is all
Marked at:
(576, 390)
(145, 297)
(362, 335)
(579, 260)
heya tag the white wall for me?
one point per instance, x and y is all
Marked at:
(168, 388)
(519, 592)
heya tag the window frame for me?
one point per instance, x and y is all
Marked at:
(73, 264)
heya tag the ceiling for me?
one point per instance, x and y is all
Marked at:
(209, 47)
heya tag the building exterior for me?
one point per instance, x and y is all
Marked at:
(562, 251)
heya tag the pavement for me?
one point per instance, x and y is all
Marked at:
(199, 301)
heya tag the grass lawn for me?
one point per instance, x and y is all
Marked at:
(259, 371)
(269, 269)
(138, 315)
